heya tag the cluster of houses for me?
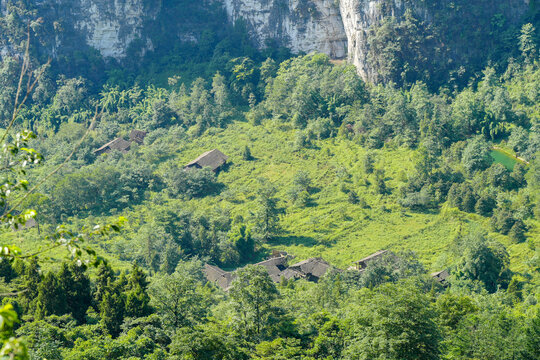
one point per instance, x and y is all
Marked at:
(213, 159)
(278, 269)
(311, 269)
(277, 266)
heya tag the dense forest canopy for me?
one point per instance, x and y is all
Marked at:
(437, 162)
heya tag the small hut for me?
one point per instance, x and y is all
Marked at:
(118, 144)
(363, 263)
(220, 277)
(311, 269)
(213, 159)
(137, 136)
(441, 276)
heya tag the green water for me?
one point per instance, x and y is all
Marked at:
(500, 157)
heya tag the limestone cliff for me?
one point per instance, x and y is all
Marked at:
(339, 28)
(300, 25)
(476, 17)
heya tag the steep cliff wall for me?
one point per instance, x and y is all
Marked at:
(458, 26)
(109, 26)
(300, 25)
(339, 28)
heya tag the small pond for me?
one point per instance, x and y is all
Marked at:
(503, 158)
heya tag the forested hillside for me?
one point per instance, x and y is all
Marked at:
(123, 238)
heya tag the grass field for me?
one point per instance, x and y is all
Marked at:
(329, 226)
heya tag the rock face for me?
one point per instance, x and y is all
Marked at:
(300, 25)
(110, 26)
(359, 16)
(339, 28)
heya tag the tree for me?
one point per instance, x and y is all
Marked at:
(105, 276)
(180, 296)
(137, 299)
(532, 338)
(51, 299)
(6, 270)
(368, 162)
(484, 262)
(476, 155)
(393, 322)
(330, 340)
(112, 307)
(246, 154)
(252, 292)
(517, 232)
(527, 42)
(485, 205)
(243, 242)
(75, 285)
(267, 212)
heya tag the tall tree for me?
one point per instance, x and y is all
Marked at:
(253, 292)
(267, 212)
(394, 322)
(180, 296)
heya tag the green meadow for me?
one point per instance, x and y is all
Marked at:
(329, 226)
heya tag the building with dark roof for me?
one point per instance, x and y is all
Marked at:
(363, 263)
(213, 159)
(275, 267)
(441, 276)
(311, 269)
(137, 136)
(220, 277)
(118, 144)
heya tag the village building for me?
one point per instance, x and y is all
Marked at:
(278, 269)
(118, 144)
(137, 136)
(275, 267)
(220, 277)
(441, 276)
(311, 269)
(363, 263)
(213, 159)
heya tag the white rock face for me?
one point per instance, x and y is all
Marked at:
(358, 16)
(111, 25)
(300, 25)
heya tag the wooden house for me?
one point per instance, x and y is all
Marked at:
(220, 277)
(213, 159)
(137, 136)
(441, 276)
(311, 269)
(118, 144)
(363, 263)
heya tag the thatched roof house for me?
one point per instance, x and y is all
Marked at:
(220, 277)
(213, 159)
(311, 269)
(441, 276)
(362, 264)
(137, 136)
(118, 144)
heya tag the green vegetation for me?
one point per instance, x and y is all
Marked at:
(320, 164)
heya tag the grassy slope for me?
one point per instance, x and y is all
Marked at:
(332, 227)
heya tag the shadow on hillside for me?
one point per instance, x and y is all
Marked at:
(290, 240)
